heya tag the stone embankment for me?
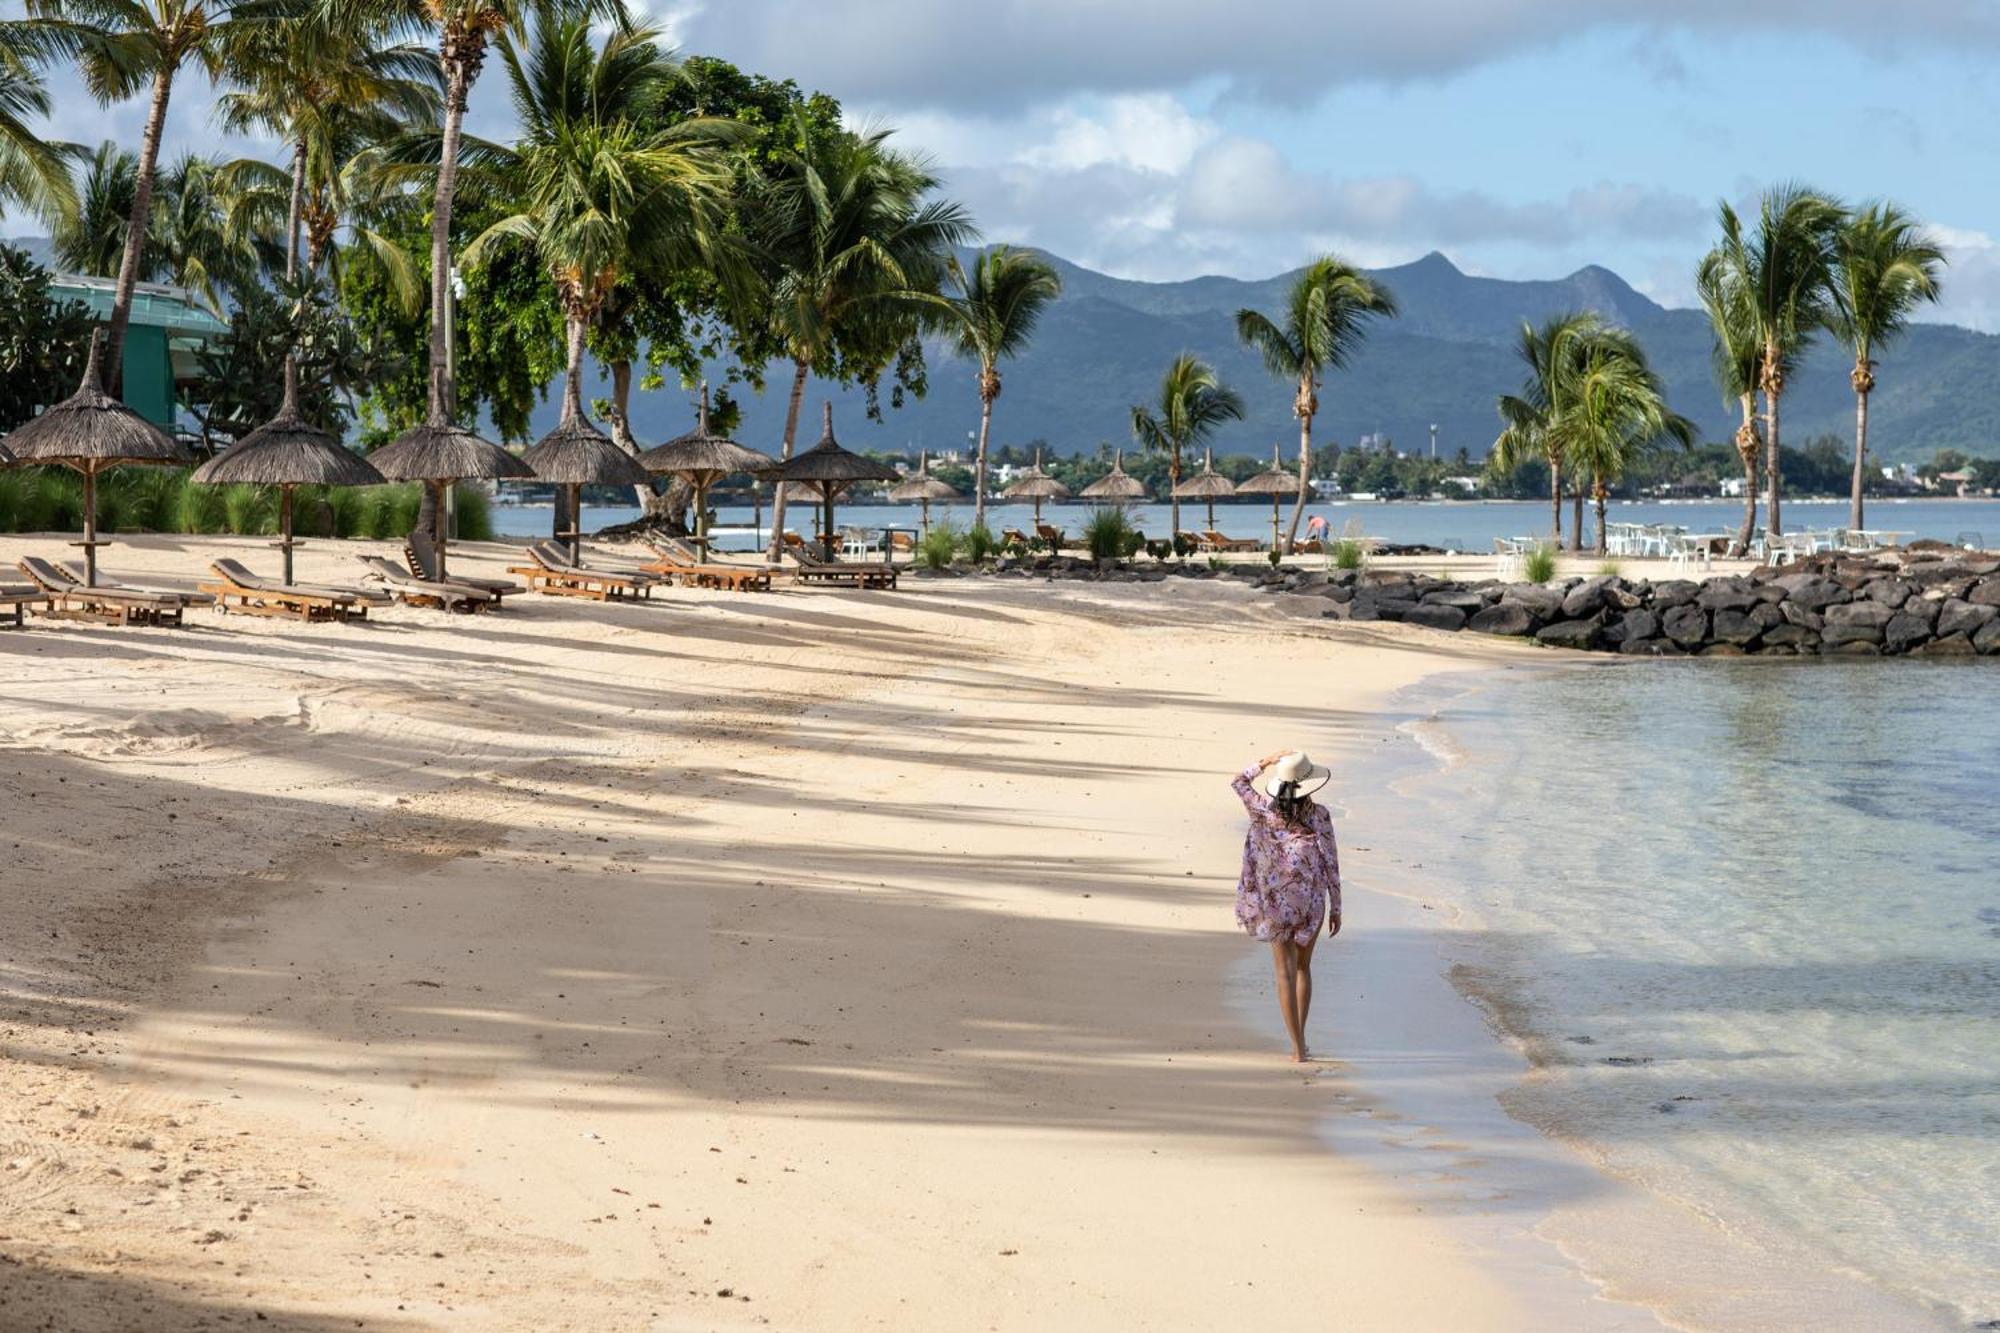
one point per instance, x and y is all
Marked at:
(1927, 601)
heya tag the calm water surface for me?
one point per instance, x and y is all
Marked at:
(1749, 916)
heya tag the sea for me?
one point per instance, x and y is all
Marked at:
(1468, 525)
(1744, 921)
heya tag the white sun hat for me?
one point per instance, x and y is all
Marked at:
(1297, 770)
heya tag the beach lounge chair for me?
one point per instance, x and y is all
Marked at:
(1014, 537)
(112, 603)
(1051, 534)
(413, 591)
(902, 543)
(420, 549)
(551, 571)
(18, 600)
(846, 573)
(680, 562)
(1215, 541)
(235, 588)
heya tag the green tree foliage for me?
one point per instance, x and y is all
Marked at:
(42, 339)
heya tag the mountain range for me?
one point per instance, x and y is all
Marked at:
(1104, 344)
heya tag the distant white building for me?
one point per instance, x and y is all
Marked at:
(1731, 488)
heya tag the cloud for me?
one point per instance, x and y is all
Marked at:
(908, 53)
(1970, 287)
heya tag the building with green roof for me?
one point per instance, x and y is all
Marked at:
(166, 332)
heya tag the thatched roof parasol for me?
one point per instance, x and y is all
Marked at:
(438, 454)
(704, 458)
(574, 455)
(288, 451)
(1207, 484)
(7, 459)
(1036, 485)
(1274, 482)
(1117, 485)
(829, 470)
(90, 430)
(922, 487)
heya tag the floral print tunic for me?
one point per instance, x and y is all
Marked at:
(1290, 874)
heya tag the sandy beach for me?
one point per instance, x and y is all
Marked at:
(811, 960)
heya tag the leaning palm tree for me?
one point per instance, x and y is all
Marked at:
(599, 189)
(1884, 267)
(91, 239)
(1325, 318)
(1614, 411)
(859, 251)
(1531, 419)
(990, 314)
(1738, 355)
(1192, 404)
(1784, 269)
(123, 46)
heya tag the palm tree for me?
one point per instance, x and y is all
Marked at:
(991, 315)
(1614, 410)
(122, 46)
(189, 242)
(91, 239)
(1739, 357)
(1325, 318)
(859, 252)
(1784, 270)
(1884, 267)
(34, 173)
(1531, 419)
(1192, 404)
(598, 191)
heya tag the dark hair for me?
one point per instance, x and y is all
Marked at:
(1290, 804)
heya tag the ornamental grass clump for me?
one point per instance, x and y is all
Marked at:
(938, 546)
(1348, 553)
(1108, 534)
(1539, 566)
(980, 543)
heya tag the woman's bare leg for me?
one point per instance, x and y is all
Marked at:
(1285, 962)
(1304, 986)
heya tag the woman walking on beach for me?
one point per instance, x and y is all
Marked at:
(1291, 876)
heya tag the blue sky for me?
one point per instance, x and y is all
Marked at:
(1524, 138)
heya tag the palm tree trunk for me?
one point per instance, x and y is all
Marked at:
(297, 207)
(800, 369)
(979, 462)
(1576, 518)
(1855, 518)
(1556, 499)
(135, 231)
(1305, 473)
(457, 85)
(1773, 465)
(568, 498)
(1746, 449)
(1173, 485)
(1598, 491)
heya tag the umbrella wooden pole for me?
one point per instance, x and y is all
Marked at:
(927, 518)
(1274, 522)
(90, 526)
(701, 516)
(575, 522)
(826, 524)
(442, 542)
(1211, 515)
(285, 528)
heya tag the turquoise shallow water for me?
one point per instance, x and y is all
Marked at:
(1747, 916)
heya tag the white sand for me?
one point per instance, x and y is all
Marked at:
(865, 957)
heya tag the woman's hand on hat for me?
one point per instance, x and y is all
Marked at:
(1272, 758)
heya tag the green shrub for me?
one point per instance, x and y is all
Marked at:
(1539, 565)
(472, 512)
(1217, 563)
(348, 507)
(1183, 545)
(1610, 569)
(1159, 550)
(1108, 534)
(250, 510)
(937, 546)
(980, 543)
(1275, 556)
(1348, 553)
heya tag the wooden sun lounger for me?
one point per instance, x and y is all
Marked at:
(679, 562)
(1051, 534)
(550, 571)
(421, 551)
(237, 589)
(111, 603)
(18, 600)
(1014, 535)
(850, 575)
(453, 596)
(1215, 541)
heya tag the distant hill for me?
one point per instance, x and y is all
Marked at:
(1105, 343)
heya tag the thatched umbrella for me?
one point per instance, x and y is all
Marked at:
(288, 451)
(1207, 484)
(441, 454)
(1118, 486)
(1274, 482)
(827, 470)
(91, 431)
(1036, 485)
(704, 458)
(922, 487)
(574, 455)
(7, 459)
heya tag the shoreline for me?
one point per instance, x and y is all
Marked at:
(1729, 1273)
(641, 954)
